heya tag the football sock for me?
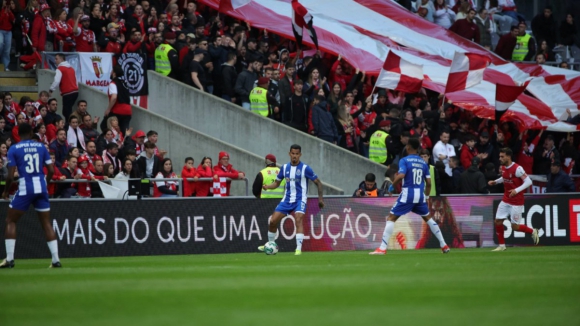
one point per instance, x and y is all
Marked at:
(525, 229)
(10, 244)
(437, 232)
(299, 239)
(53, 246)
(499, 231)
(389, 228)
(271, 236)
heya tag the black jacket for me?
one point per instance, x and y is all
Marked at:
(473, 181)
(363, 190)
(228, 80)
(142, 164)
(295, 112)
(560, 182)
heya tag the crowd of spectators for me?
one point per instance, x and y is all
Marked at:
(310, 91)
(81, 152)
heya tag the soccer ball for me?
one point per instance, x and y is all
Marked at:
(271, 248)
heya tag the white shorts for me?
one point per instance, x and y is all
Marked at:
(505, 210)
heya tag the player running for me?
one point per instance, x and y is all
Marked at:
(414, 173)
(515, 181)
(297, 175)
(28, 156)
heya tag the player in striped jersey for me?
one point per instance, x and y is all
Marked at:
(414, 173)
(28, 156)
(297, 175)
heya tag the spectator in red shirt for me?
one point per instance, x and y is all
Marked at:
(466, 28)
(64, 32)
(507, 43)
(112, 42)
(204, 170)
(468, 152)
(51, 129)
(84, 37)
(84, 188)
(9, 109)
(21, 118)
(225, 170)
(57, 175)
(525, 151)
(189, 171)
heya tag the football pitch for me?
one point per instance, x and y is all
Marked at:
(521, 286)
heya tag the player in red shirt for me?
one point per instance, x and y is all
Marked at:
(515, 181)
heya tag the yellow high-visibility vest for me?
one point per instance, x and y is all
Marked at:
(433, 191)
(259, 101)
(378, 147)
(521, 49)
(268, 177)
(162, 64)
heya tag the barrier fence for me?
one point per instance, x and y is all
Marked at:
(231, 225)
(148, 180)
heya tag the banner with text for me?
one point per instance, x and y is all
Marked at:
(96, 69)
(203, 226)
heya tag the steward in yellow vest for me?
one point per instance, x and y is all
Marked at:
(259, 98)
(378, 149)
(525, 45)
(166, 57)
(268, 176)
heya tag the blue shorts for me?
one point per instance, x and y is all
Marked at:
(401, 209)
(40, 202)
(287, 208)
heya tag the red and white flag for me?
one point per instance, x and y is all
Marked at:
(227, 5)
(466, 71)
(400, 75)
(505, 96)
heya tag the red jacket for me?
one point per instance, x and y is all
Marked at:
(226, 172)
(189, 187)
(51, 187)
(15, 135)
(84, 188)
(6, 20)
(467, 155)
(526, 160)
(38, 33)
(202, 189)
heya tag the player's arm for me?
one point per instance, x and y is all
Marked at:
(9, 180)
(273, 185)
(495, 182)
(527, 182)
(320, 193)
(427, 186)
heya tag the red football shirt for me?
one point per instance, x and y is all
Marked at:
(513, 177)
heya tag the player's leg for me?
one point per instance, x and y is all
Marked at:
(299, 232)
(503, 211)
(10, 236)
(273, 226)
(42, 206)
(516, 218)
(423, 210)
(387, 233)
(44, 218)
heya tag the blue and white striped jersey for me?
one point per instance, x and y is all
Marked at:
(297, 177)
(29, 156)
(416, 171)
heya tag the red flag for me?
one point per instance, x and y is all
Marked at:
(466, 71)
(230, 5)
(302, 19)
(505, 96)
(400, 75)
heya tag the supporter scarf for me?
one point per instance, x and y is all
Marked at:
(71, 137)
(220, 187)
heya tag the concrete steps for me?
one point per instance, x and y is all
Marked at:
(19, 83)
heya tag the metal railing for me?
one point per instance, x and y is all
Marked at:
(150, 180)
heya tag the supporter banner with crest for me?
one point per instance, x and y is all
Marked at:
(96, 69)
(135, 70)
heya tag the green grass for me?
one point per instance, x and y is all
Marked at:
(522, 286)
